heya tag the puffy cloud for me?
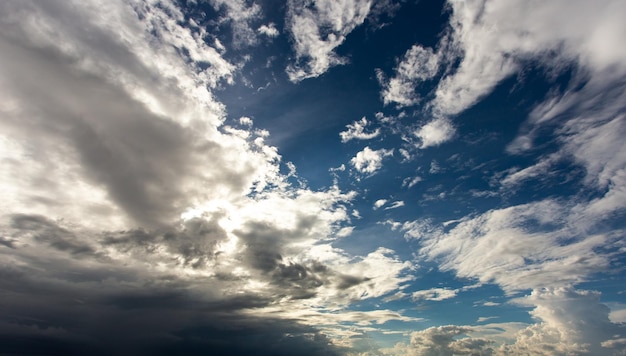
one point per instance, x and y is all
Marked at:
(357, 131)
(136, 206)
(434, 133)
(369, 161)
(571, 322)
(442, 341)
(316, 29)
(379, 203)
(268, 30)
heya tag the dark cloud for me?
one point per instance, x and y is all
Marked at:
(47, 231)
(126, 310)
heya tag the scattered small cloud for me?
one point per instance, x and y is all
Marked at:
(370, 161)
(357, 130)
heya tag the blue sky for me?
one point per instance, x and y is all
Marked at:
(347, 177)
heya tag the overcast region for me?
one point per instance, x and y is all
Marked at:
(312, 177)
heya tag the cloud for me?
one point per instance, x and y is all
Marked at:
(369, 161)
(442, 341)
(379, 203)
(356, 130)
(317, 29)
(529, 246)
(138, 208)
(396, 204)
(434, 133)
(409, 182)
(417, 65)
(434, 294)
(268, 30)
(571, 321)
(493, 39)
(239, 15)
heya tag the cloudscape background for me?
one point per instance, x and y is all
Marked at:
(322, 177)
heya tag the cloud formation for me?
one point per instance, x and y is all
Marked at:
(317, 28)
(357, 131)
(369, 161)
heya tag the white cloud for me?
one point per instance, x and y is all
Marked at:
(246, 121)
(164, 197)
(239, 16)
(571, 322)
(268, 30)
(514, 247)
(357, 131)
(618, 312)
(396, 204)
(442, 341)
(435, 133)
(492, 38)
(434, 294)
(369, 161)
(345, 231)
(318, 28)
(417, 65)
(409, 182)
(379, 203)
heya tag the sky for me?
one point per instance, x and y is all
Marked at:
(313, 177)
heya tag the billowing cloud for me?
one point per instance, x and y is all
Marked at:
(442, 341)
(571, 322)
(240, 15)
(357, 131)
(129, 202)
(317, 29)
(369, 161)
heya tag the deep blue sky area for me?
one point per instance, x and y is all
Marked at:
(312, 177)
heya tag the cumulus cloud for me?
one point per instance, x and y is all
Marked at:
(571, 322)
(137, 207)
(268, 30)
(434, 133)
(379, 203)
(369, 161)
(442, 341)
(356, 130)
(317, 28)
